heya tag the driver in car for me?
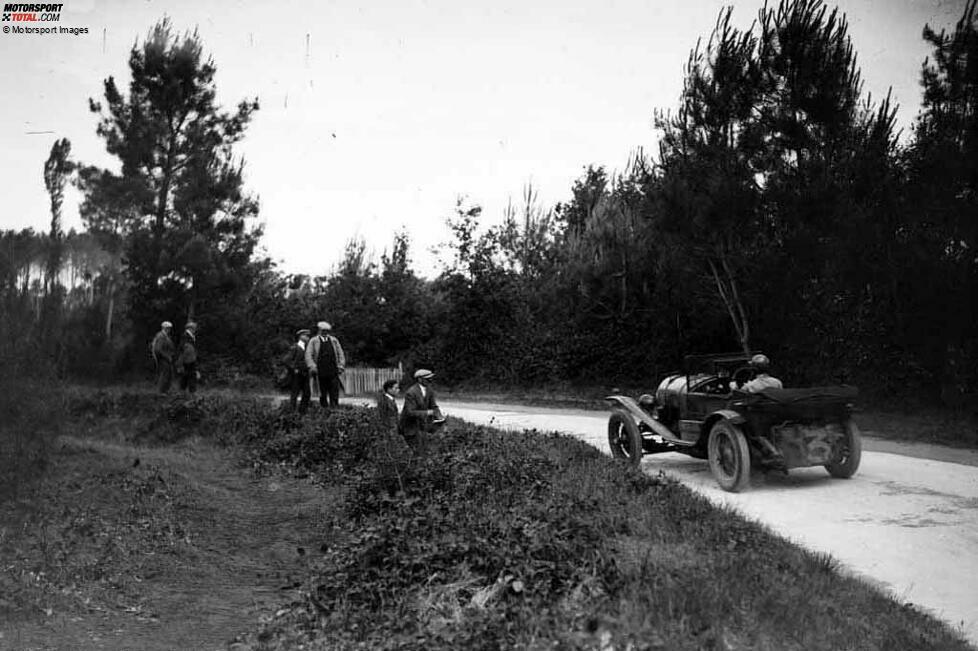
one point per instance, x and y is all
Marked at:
(762, 379)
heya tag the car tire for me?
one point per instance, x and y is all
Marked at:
(624, 438)
(848, 463)
(729, 456)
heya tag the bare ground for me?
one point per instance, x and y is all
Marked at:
(184, 550)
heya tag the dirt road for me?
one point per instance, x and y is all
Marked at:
(907, 522)
(235, 560)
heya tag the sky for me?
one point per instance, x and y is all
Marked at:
(377, 116)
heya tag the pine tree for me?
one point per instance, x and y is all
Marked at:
(178, 204)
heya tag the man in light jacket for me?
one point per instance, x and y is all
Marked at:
(326, 361)
(163, 350)
(763, 380)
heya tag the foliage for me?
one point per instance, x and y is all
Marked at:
(502, 540)
(491, 540)
(940, 231)
(780, 211)
(178, 205)
(56, 170)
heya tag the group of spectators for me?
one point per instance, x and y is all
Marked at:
(419, 415)
(173, 359)
(320, 358)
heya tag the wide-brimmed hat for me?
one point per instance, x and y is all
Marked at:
(302, 331)
(324, 325)
(423, 374)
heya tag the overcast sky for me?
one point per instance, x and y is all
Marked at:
(376, 116)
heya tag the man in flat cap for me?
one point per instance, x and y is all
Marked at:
(762, 379)
(162, 349)
(298, 372)
(187, 360)
(420, 413)
(326, 361)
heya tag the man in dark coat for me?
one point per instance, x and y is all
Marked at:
(420, 413)
(298, 372)
(326, 361)
(187, 360)
(390, 449)
(387, 407)
(163, 350)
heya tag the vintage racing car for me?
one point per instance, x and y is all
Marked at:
(701, 412)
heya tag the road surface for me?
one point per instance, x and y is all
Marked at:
(907, 522)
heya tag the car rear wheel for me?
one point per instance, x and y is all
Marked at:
(847, 463)
(729, 456)
(624, 438)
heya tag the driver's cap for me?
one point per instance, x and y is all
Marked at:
(760, 361)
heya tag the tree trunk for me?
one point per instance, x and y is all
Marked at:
(727, 289)
(110, 311)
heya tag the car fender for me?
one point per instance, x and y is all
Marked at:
(628, 405)
(728, 415)
(620, 401)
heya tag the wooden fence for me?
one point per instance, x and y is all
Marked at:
(362, 381)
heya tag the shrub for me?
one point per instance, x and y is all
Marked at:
(31, 410)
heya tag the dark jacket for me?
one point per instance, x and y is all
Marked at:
(414, 416)
(188, 350)
(387, 412)
(295, 360)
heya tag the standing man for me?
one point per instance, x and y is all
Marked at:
(162, 349)
(387, 407)
(326, 361)
(187, 360)
(299, 374)
(420, 413)
(390, 448)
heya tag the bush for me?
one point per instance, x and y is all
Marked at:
(483, 542)
(500, 540)
(31, 411)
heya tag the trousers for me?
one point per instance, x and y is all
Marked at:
(329, 390)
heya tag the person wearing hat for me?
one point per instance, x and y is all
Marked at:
(420, 413)
(762, 380)
(387, 413)
(162, 349)
(187, 361)
(299, 374)
(326, 362)
(390, 449)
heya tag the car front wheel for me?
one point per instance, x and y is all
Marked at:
(624, 438)
(847, 463)
(729, 456)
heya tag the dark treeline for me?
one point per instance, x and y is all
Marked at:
(782, 211)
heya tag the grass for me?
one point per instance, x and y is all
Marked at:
(539, 541)
(31, 414)
(145, 534)
(953, 428)
(487, 541)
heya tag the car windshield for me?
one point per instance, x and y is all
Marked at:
(712, 384)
